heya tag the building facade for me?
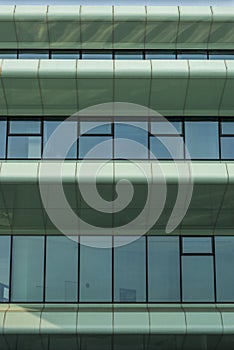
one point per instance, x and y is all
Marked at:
(143, 94)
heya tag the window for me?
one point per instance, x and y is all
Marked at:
(6, 54)
(192, 55)
(221, 55)
(27, 269)
(5, 243)
(128, 55)
(198, 245)
(160, 55)
(3, 125)
(227, 139)
(65, 55)
(33, 55)
(96, 55)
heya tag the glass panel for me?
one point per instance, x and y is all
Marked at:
(8, 54)
(24, 147)
(61, 269)
(192, 55)
(227, 127)
(132, 131)
(95, 269)
(95, 128)
(160, 55)
(197, 245)
(129, 271)
(97, 147)
(197, 278)
(63, 55)
(221, 55)
(97, 55)
(164, 147)
(3, 124)
(26, 126)
(128, 55)
(166, 128)
(5, 243)
(163, 269)
(227, 147)
(34, 55)
(69, 128)
(224, 258)
(27, 269)
(201, 139)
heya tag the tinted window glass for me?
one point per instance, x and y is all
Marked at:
(4, 268)
(227, 128)
(24, 147)
(95, 128)
(95, 147)
(63, 55)
(8, 54)
(3, 138)
(34, 55)
(227, 147)
(128, 55)
(192, 55)
(197, 245)
(219, 55)
(164, 147)
(163, 269)
(27, 269)
(166, 128)
(97, 55)
(25, 126)
(160, 55)
(129, 283)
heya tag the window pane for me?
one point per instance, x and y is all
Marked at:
(3, 138)
(97, 55)
(128, 55)
(201, 139)
(197, 245)
(4, 268)
(219, 55)
(164, 147)
(129, 271)
(34, 55)
(61, 269)
(224, 248)
(53, 151)
(24, 147)
(164, 128)
(192, 55)
(132, 131)
(95, 269)
(227, 147)
(25, 126)
(227, 127)
(197, 278)
(95, 128)
(63, 55)
(163, 269)
(97, 146)
(27, 269)
(8, 54)
(160, 55)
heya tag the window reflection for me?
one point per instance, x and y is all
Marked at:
(4, 268)
(24, 147)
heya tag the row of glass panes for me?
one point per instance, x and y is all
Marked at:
(118, 54)
(181, 138)
(153, 268)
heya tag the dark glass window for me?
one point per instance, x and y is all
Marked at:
(5, 54)
(167, 147)
(4, 267)
(24, 147)
(221, 55)
(65, 55)
(163, 269)
(128, 55)
(192, 55)
(227, 147)
(160, 55)
(197, 245)
(129, 270)
(25, 126)
(32, 55)
(96, 269)
(27, 269)
(3, 125)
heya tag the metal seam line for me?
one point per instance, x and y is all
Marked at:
(211, 26)
(224, 88)
(47, 26)
(42, 209)
(40, 88)
(178, 27)
(145, 7)
(187, 89)
(16, 34)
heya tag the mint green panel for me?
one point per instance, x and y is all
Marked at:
(3, 106)
(203, 321)
(21, 196)
(97, 342)
(18, 319)
(129, 35)
(132, 320)
(64, 26)
(31, 26)
(8, 37)
(33, 221)
(56, 321)
(194, 27)
(94, 91)
(228, 201)
(95, 320)
(167, 320)
(222, 28)
(5, 226)
(161, 27)
(205, 89)
(227, 104)
(199, 219)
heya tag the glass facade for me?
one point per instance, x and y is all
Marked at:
(154, 269)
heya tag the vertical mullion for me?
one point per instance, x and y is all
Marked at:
(7, 137)
(214, 272)
(78, 270)
(219, 136)
(112, 277)
(44, 277)
(10, 272)
(146, 266)
(181, 256)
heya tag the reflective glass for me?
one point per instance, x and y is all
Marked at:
(95, 269)
(5, 243)
(8, 54)
(228, 127)
(227, 147)
(163, 269)
(167, 147)
(95, 128)
(97, 55)
(27, 269)
(224, 248)
(197, 278)
(166, 128)
(95, 147)
(129, 270)
(34, 55)
(131, 140)
(26, 126)
(3, 125)
(24, 147)
(61, 269)
(198, 55)
(160, 55)
(201, 139)
(197, 245)
(63, 55)
(221, 55)
(128, 55)
(68, 130)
